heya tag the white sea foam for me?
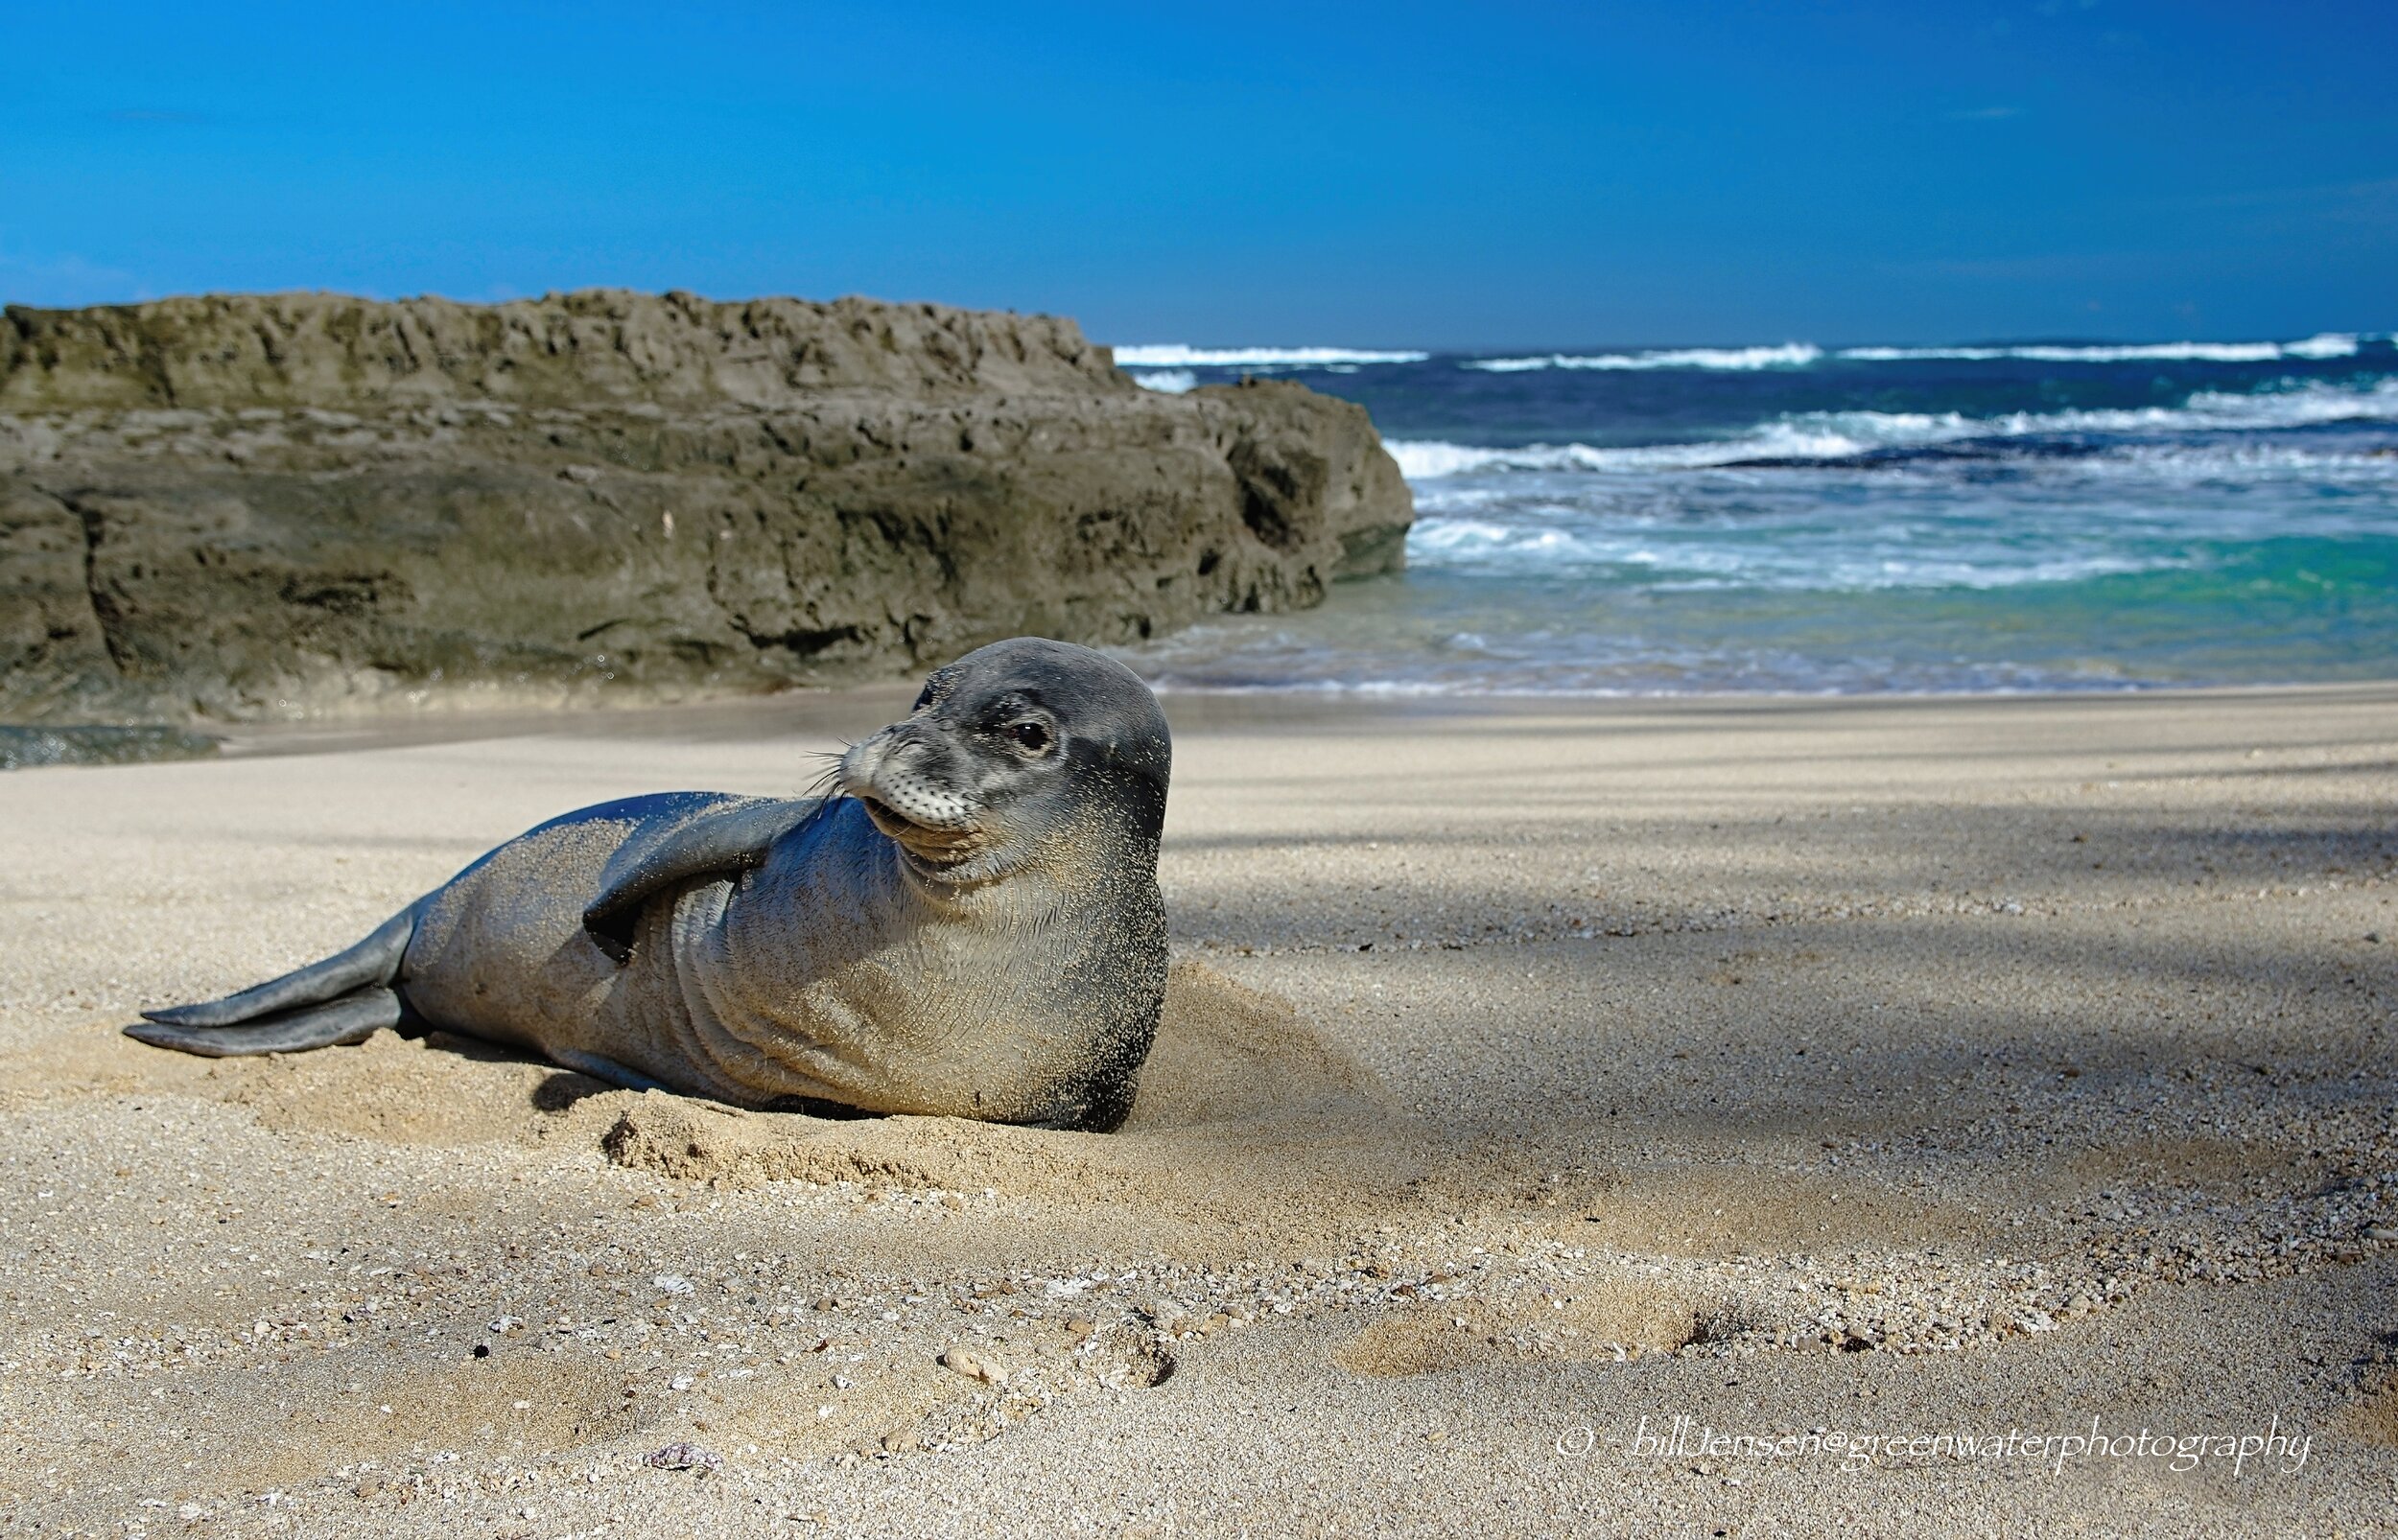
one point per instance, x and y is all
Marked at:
(1172, 382)
(1423, 460)
(1695, 557)
(1246, 660)
(1788, 355)
(1820, 436)
(1838, 435)
(1177, 355)
(2323, 345)
(2214, 411)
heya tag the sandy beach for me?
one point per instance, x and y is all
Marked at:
(1647, 1116)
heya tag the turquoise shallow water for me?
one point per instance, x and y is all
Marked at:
(2051, 515)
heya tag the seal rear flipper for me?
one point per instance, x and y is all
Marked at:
(351, 1018)
(722, 842)
(372, 964)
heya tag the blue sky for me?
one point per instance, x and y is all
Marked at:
(1397, 175)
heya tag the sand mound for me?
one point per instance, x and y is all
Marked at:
(688, 1140)
(1227, 1054)
(437, 1090)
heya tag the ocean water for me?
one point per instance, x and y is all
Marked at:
(1795, 518)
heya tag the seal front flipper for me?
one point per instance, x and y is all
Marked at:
(351, 1018)
(372, 965)
(724, 841)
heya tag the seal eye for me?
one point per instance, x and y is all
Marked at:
(1033, 737)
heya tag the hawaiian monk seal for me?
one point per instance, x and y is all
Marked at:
(970, 925)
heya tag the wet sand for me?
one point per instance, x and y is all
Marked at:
(1809, 1070)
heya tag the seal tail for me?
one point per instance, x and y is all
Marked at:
(345, 998)
(351, 1018)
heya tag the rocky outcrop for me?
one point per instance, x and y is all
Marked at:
(229, 507)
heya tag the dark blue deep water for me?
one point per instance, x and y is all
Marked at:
(1792, 518)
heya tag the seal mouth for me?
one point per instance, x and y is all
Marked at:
(888, 819)
(934, 846)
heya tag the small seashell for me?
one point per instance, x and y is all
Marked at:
(684, 1457)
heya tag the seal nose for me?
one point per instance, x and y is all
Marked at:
(904, 769)
(871, 760)
(864, 757)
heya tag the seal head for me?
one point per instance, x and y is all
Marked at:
(1021, 753)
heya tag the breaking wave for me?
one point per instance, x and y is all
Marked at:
(1788, 355)
(2316, 349)
(1177, 355)
(1841, 436)
(2312, 349)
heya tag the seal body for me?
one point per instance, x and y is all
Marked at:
(970, 927)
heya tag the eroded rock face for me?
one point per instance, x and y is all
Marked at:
(230, 507)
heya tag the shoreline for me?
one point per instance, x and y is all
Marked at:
(831, 709)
